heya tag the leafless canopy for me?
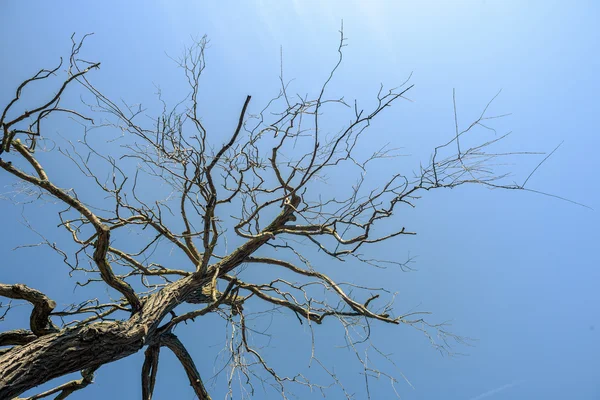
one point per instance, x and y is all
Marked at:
(257, 188)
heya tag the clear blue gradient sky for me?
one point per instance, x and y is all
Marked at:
(517, 271)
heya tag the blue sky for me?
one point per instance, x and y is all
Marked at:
(518, 272)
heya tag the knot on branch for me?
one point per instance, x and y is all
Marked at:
(205, 295)
(91, 332)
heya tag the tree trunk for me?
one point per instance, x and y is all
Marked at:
(75, 349)
(71, 350)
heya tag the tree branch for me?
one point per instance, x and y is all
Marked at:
(42, 307)
(149, 370)
(17, 337)
(174, 344)
(66, 389)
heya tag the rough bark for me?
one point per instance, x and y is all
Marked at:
(71, 350)
(58, 354)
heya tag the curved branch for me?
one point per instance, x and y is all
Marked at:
(42, 307)
(174, 344)
(66, 389)
(102, 231)
(356, 306)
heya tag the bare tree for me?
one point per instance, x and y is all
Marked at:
(258, 188)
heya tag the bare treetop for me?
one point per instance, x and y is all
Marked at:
(183, 187)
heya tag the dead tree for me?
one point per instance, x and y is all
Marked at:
(266, 171)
